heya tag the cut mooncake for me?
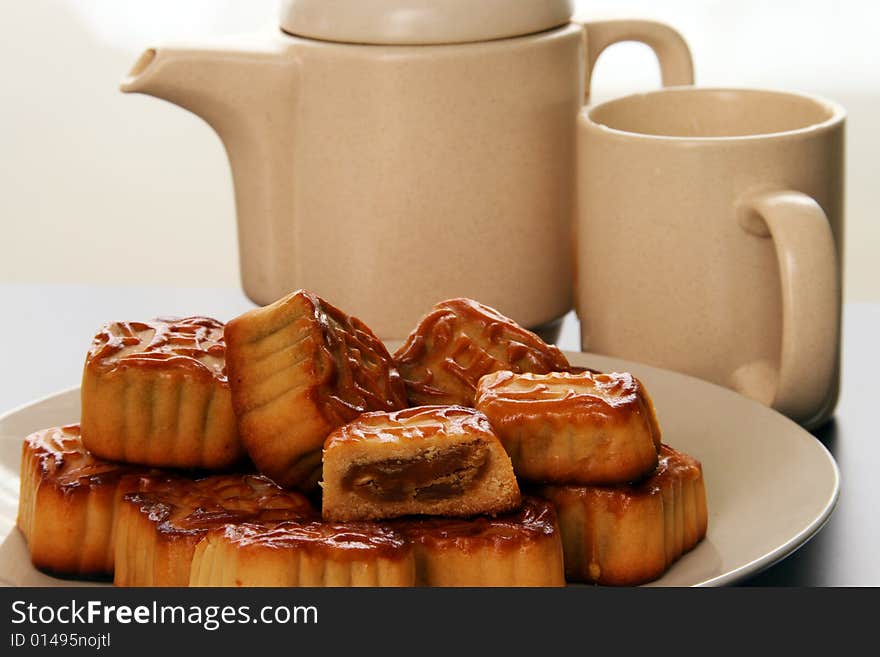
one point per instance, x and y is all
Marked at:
(155, 393)
(303, 554)
(159, 526)
(298, 369)
(519, 548)
(68, 501)
(630, 534)
(565, 428)
(432, 460)
(460, 341)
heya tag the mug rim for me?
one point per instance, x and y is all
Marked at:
(837, 115)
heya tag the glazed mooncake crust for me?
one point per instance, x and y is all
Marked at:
(630, 534)
(68, 503)
(160, 525)
(460, 341)
(303, 554)
(155, 393)
(566, 428)
(298, 369)
(519, 548)
(433, 460)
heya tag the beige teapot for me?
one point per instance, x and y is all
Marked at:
(393, 153)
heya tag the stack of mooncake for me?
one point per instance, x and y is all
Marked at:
(628, 505)
(289, 448)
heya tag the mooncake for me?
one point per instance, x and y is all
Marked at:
(155, 393)
(67, 503)
(432, 460)
(298, 369)
(460, 341)
(303, 554)
(630, 534)
(160, 525)
(565, 428)
(519, 548)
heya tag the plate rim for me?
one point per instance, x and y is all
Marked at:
(23, 407)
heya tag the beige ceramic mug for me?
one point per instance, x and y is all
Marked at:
(393, 153)
(709, 232)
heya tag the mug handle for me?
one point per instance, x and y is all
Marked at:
(811, 291)
(676, 64)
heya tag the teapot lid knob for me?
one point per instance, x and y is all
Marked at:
(421, 22)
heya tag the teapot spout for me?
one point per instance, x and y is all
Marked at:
(246, 90)
(209, 80)
(135, 80)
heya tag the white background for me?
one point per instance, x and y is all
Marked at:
(97, 186)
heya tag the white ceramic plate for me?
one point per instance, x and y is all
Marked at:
(770, 484)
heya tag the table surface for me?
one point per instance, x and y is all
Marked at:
(53, 323)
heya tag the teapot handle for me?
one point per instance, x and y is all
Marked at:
(676, 63)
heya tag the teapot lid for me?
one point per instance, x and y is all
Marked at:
(420, 22)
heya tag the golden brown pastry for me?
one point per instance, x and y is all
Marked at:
(159, 526)
(299, 368)
(520, 548)
(572, 428)
(67, 502)
(303, 554)
(630, 534)
(460, 341)
(155, 393)
(433, 460)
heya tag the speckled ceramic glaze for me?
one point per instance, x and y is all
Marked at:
(386, 176)
(710, 227)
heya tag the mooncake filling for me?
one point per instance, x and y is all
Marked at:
(433, 475)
